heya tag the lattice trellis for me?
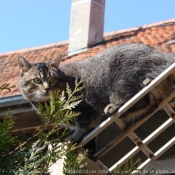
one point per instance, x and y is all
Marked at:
(141, 145)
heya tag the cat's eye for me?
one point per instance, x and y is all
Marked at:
(52, 80)
(37, 80)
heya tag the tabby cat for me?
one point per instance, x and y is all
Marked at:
(110, 79)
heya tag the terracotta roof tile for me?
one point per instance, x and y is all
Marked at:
(159, 35)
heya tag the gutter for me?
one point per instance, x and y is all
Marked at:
(12, 101)
(16, 104)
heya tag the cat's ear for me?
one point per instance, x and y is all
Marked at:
(23, 64)
(56, 61)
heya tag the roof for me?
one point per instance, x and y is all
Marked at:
(159, 35)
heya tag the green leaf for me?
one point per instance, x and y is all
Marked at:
(33, 154)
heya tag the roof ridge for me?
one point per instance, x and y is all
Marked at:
(146, 26)
(61, 43)
(106, 34)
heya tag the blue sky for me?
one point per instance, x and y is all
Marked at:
(29, 23)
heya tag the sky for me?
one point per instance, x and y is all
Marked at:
(30, 23)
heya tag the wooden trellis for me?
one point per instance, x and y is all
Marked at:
(141, 145)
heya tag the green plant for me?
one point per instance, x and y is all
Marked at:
(130, 167)
(6, 141)
(47, 144)
(76, 164)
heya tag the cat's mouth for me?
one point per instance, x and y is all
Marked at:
(43, 96)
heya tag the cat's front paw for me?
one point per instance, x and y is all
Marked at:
(73, 138)
(111, 109)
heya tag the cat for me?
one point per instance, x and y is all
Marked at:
(110, 79)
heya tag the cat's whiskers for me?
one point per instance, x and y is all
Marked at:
(28, 95)
(24, 99)
(21, 102)
(36, 97)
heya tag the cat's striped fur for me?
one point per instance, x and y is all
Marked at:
(110, 78)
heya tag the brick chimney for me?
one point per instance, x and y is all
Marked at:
(86, 26)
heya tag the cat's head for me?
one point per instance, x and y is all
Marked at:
(37, 80)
